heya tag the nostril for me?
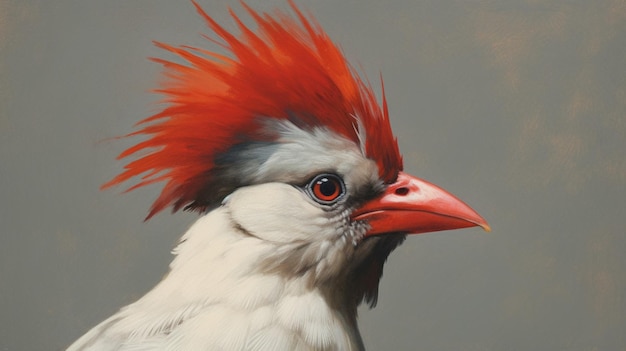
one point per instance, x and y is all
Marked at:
(402, 191)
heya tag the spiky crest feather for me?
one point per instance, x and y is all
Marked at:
(288, 68)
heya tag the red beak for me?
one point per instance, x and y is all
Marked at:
(414, 206)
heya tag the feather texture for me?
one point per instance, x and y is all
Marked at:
(288, 69)
(218, 297)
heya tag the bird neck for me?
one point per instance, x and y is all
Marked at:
(219, 267)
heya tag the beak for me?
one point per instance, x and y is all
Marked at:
(412, 205)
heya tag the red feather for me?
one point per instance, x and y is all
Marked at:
(288, 67)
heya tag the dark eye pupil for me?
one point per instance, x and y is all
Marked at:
(327, 188)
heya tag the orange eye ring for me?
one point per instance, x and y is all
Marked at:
(326, 188)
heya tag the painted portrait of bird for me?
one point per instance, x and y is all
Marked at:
(288, 156)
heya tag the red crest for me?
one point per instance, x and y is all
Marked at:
(288, 66)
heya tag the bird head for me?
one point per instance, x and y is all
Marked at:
(282, 133)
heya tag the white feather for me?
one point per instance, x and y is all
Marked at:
(273, 337)
(247, 275)
(216, 296)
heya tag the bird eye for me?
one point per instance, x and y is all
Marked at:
(326, 188)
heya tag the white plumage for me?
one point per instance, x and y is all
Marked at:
(225, 289)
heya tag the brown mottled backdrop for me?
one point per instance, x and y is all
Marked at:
(518, 107)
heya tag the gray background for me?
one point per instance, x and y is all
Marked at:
(518, 107)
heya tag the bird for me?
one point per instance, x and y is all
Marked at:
(287, 154)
